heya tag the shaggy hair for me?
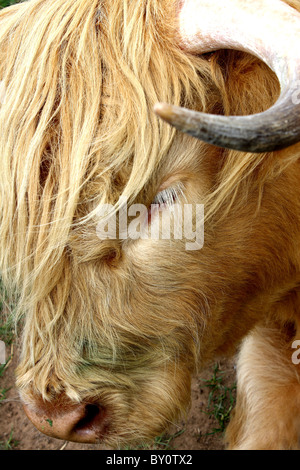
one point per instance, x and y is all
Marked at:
(128, 323)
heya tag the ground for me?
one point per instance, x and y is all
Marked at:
(213, 395)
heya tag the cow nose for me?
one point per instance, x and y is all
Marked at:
(83, 422)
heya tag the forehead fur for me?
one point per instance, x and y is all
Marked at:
(77, 123)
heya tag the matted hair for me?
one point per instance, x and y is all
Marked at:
(77, 127)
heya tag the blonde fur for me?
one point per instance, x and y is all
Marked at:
(123, 323)
(267, 413)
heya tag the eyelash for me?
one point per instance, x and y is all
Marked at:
(169, 196)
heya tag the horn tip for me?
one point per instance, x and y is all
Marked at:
(164, 110)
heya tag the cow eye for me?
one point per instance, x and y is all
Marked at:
(169, 196)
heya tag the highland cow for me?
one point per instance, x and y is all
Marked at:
(114, 329)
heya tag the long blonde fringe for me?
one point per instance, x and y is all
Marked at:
(77, 127)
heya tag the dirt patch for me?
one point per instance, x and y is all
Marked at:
(197, 433)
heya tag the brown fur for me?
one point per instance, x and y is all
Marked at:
(127, 324)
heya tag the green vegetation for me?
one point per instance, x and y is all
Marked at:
(162, 442)
(221, 400)
(7, 324)
(7, 330)
(3, 392)
(7, 3)
(10, 443)
(2, 369)
(6, 335)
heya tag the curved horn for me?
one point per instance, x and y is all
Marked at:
(268, 29)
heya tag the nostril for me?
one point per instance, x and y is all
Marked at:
(91, 421)
(83, 422)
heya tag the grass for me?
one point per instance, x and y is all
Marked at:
(10, 443)
(3, 392)
(7, 3)
(6, 335)
(162, 442)
(221, 400)
(2, 369)
(7, 322)
(7, 330)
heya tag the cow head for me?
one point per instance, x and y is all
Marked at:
(114, 329)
